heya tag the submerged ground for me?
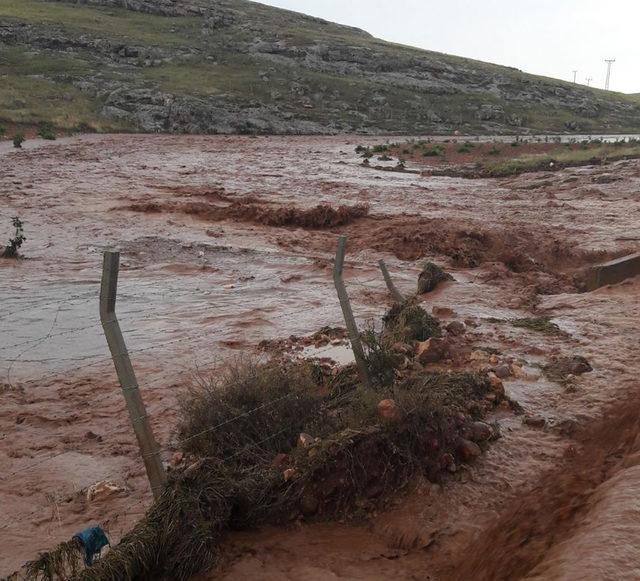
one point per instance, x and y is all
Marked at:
(552, 499)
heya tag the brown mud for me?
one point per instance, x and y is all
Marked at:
(197, 289)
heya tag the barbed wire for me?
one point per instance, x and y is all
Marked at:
(46, 458)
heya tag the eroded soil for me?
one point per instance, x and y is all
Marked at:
(216, 258)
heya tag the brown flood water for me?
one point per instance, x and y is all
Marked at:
(196, 287)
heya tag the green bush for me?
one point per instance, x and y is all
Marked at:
(11, 250)
(46, 131)
(18, 140)
(435, 151)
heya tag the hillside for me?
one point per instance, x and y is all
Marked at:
(227, 66)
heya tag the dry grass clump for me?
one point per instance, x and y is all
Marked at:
(407, 322)
(64, 562)
(230, 413)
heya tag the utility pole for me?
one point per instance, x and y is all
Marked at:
(589, 79)
(575, 75)
(609, 63)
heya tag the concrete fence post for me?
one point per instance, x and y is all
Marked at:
(137, 413)
(352, 329)
(395, 293)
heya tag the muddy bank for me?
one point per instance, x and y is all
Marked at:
(577, 521)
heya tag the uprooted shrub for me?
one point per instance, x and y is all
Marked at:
(406, 322)
(12, 249)
(430, 277)
(226, 414)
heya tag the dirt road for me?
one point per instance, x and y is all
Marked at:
(198, 286)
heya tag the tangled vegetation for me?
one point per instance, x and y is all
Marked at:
(15, 243)
(268, 442)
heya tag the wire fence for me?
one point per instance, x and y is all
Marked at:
(195, 344)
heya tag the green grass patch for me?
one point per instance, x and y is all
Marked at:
(102, 22)
(541, 325)
(562, 157)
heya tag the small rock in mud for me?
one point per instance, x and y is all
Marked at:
(431, 350)
(502, 371)
(468, 450)
(496, 385)
(309, 503)
(563, 367)
(442, 312)
(289, 473)
(93, 436)
(305, 440)
(389, 410)
(534, 421)
(456, 328)
(430, 277)
(479, 432)
(447, 462)
(281, 460)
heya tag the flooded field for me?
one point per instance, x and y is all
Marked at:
(224, 251)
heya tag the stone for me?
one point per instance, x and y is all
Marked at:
(496, 384)
(447, 461)
(309, 503)
(431, 351)
(534, 421)
(479, 432)
(388, 410)
(281, 460)
(305, 440)
(468, 450)
(177, 458)
(442, 312)
(456, 328)
(289, 473)
(502, 371)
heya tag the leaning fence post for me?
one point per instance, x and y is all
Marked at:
(126, 376)
(352, 329)
(395, 293)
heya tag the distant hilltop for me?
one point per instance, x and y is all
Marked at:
(233, 66)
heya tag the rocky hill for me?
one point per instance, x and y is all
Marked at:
(207, 66)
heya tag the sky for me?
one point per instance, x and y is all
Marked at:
(544, 37)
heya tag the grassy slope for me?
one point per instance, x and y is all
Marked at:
(40, 87)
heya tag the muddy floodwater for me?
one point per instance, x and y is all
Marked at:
(214, 264)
